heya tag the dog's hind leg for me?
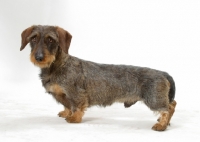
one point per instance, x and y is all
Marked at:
(172, 106)
(165, 117)
(163, 121)
(157, 99)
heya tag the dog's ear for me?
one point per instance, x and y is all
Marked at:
(64, 39)
(24, 36)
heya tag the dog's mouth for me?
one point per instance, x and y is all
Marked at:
(42, 62)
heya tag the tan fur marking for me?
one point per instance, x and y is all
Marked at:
(76, 117)
(48, 59)
(165, 118)
(56, 89)
(65, 113)
(172, 106)
(163, 122)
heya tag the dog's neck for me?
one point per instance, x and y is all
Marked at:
(60, 59)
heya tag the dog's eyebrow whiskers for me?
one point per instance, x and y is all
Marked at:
(32, 35)
(52, 35)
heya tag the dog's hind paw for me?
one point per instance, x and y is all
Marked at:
(159, 127)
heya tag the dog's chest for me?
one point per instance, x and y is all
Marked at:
(50, 83)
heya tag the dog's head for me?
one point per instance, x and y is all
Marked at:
(45, 41)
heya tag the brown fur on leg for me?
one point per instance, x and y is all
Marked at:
(76, 117)
(172, 106)
(65, 113)
(163, 122)
(165, 118)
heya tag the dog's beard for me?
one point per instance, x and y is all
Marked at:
(46, 63)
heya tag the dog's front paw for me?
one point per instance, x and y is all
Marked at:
(159, 127)
(72, 119)
(75, 117)
(63, 114)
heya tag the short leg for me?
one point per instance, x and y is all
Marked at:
(75, 117)
(172, 106)
(65, 113)
(71, 116)
(165, 117)
(163, 121)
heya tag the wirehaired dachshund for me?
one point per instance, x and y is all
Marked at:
(78, 84)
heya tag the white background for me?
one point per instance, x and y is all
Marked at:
(161, 34)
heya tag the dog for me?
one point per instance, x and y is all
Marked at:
(78, 84)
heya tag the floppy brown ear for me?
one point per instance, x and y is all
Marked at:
(24, 36)
(64, 39)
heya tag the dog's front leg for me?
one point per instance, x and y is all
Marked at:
(65, 113)
(72, 117)
(75, 117)
(74, 108)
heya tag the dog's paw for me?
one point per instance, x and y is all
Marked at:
(63, 114)
(159, 121)
(159, 127)
(73, 119)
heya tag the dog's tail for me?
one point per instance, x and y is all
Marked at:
(172, 87)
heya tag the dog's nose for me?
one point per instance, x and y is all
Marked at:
(39, 57)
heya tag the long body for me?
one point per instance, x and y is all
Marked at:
(104, 84)
(78, 84)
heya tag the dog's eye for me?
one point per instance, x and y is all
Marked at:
(50, 40)
(34, 39)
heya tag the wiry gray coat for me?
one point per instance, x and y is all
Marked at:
(78, 84)
(101, 84)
